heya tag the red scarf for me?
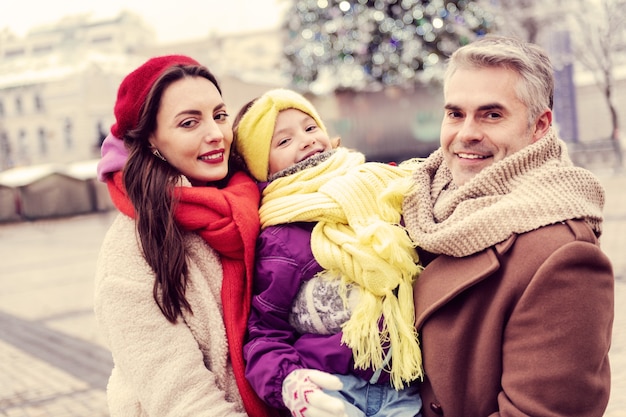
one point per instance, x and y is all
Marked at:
(227, 219)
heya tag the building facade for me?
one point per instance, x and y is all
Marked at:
(58, 83)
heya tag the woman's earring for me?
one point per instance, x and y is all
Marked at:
(156, 153)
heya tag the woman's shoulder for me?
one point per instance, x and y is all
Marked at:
(120, 252)
(121, 234)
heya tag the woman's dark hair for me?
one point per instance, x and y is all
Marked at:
(149, 182)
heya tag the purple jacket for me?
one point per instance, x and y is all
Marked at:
(274, 349)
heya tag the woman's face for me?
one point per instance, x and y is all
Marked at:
(193, 131)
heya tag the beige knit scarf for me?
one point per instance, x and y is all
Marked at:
(534, 187)
(357, 238)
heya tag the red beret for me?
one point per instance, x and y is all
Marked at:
(135, 87)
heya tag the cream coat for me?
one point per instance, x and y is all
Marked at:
(163, 369)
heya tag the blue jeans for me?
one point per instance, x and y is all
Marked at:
(371, 400)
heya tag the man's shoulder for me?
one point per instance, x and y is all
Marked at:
(560, 233)
(535, 247)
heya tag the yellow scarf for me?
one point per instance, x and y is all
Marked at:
(357, 207)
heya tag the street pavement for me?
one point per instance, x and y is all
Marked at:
(53, 363)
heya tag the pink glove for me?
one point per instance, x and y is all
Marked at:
(303, 395)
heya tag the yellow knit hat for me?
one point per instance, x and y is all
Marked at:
(254, 132)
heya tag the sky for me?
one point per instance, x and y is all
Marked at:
(173, 20)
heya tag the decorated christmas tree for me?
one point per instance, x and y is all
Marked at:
(370, 44)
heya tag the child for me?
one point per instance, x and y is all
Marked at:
(333, 302)
(175, 269)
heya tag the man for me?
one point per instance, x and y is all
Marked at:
(515, 305)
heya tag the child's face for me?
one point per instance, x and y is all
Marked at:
(296, 137)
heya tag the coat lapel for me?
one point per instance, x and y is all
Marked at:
(446, 277)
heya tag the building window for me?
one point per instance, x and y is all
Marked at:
(5, 152)
(67, 133)
(22, 147)
(43, 145)
(18, 105)
(102, 39)
(40, 49)
(38, 103)
(11, 53)
(102, 134)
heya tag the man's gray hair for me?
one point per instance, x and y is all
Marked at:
(529, 61)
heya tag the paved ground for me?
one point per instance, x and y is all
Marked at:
(52, 362)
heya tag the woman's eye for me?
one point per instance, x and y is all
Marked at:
(221, 116)
(188, 123)
(311, 128)
(283, 141)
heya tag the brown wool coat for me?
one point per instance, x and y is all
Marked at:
(519, 329)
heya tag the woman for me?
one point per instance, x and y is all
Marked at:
(173, 279)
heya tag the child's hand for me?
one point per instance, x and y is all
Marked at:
(303, 395)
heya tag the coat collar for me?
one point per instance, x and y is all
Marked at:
(446, 277)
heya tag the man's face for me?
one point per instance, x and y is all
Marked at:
(484, 121)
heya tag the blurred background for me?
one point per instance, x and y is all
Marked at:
(372, 67)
